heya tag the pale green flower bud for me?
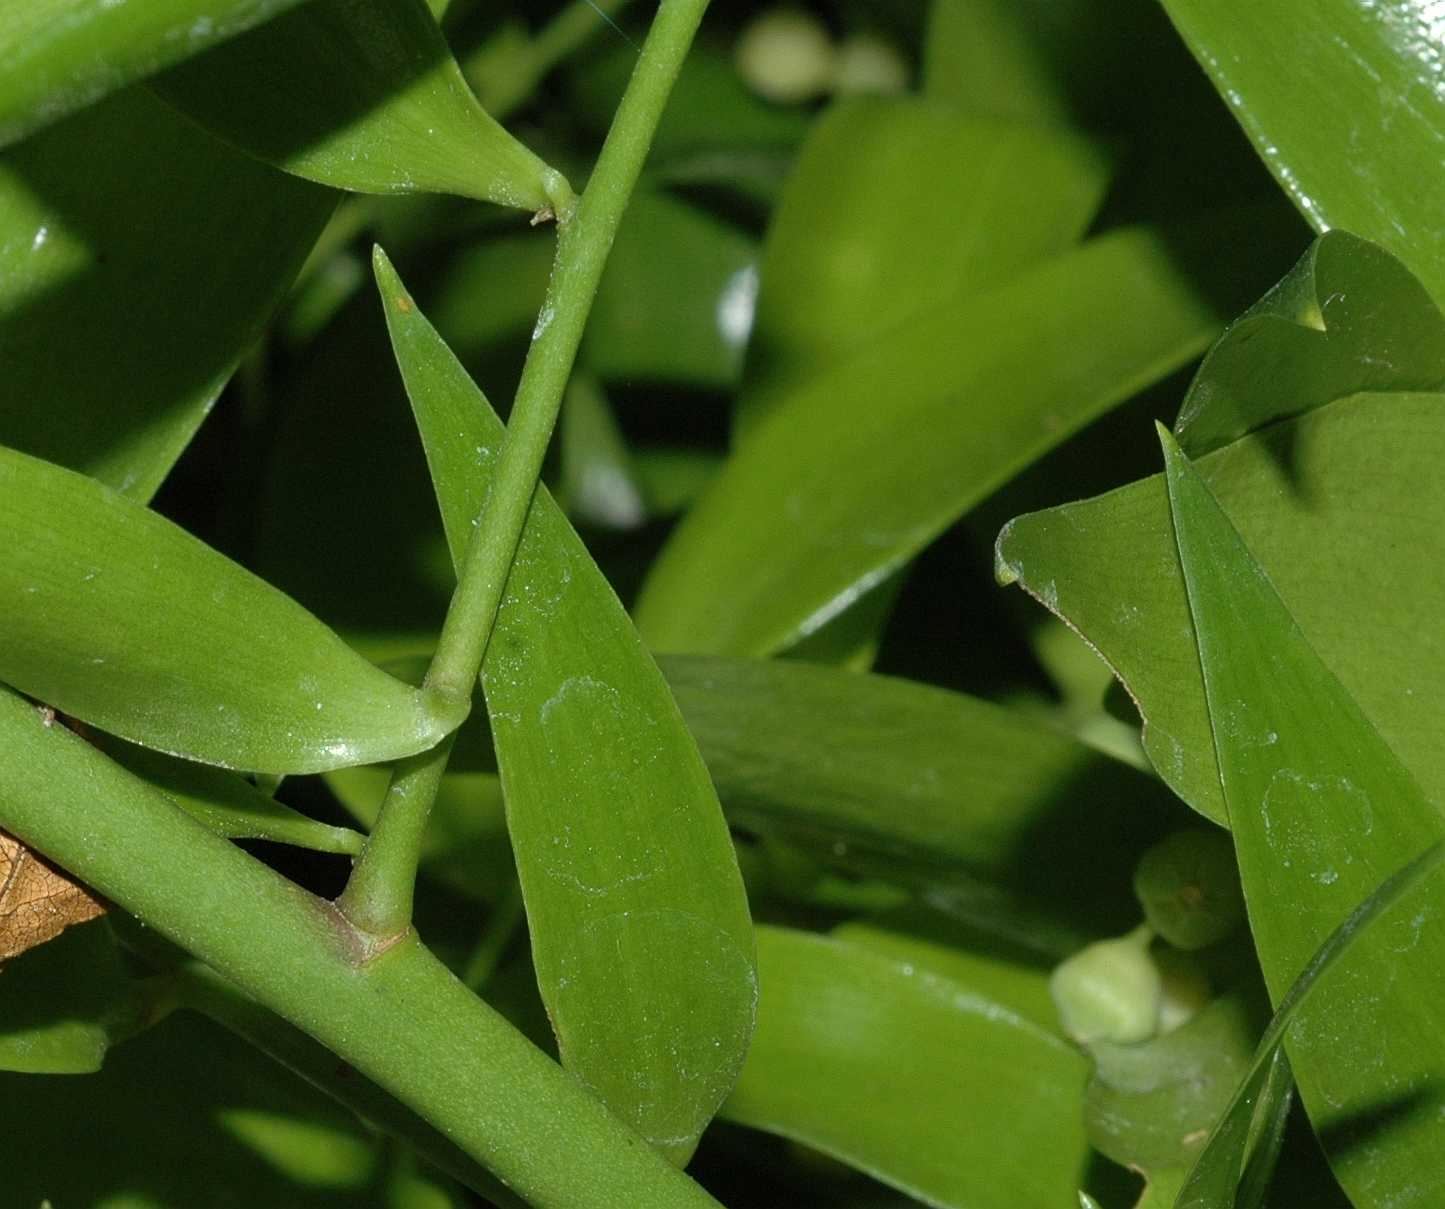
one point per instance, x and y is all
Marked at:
(1110, 991)
(866, 63)
(1188, 885)
(786, 56)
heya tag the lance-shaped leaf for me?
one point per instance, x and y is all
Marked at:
(864, 464)
(857, 246)
(139, 258)
(1264, 1091)
(912, 1077)
(117, 617)
(227, 803)
(1322, 812)
(1346, 103)
(361, 95)
(1348, 317)
(59, 55)
(893, 768)
(639, 924)
(1351, 534)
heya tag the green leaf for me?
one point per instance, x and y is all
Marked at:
(115, 616)
(1342, 504)
(1348, 317)
(1151, 1106)
(598, 486)
(639, 924)
(64, 1003)
(59, 55)
(226, 803)
(676, 301)
(895, 209)
(361, 95)
(848, 490)
(895, 767)
(1345, 102)
(911, 1077)
(1322, 812)
(139, 259)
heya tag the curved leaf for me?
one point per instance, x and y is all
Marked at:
(1342, 503)
(139, 258)
(868, 462)
(638, 919)
(911, 1077)
(59, 55)
(1348, 317)
(1355, 138)
(361, 95)
(1322, 812)
(115, 616)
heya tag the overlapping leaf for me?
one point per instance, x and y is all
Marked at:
(857, 246)
(139, 259)
(868, 462)
(59, 55)
(1342, 504)
(117, 617)
(361, 95)
(1322, 813)
(910, 1076)
(1346, 103)
(638, 920)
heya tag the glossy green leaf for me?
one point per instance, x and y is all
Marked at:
(188, 1116)
(227, 803)
(911, 1077)
(895, 209)
(676, 300)
(832, 492)
(887, 765)
(114, 615)
(1349, 317)
(60, 55)
(1322, 812)
(361, 95)
(1264, 1090)
(932, 942)
(139, 258)
(64, 1003)
(1342, 504)
(1151, 1105)
(639, 924)
(1352, 137)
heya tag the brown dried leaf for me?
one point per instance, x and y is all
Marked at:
(37, 901)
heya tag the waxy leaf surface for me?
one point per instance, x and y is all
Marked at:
(361, 95)
(1345, 101)
(139, 258)
(115, 616)
(1322, 813)
(1342, 504)
(639, 923)
(866, 463)
(59, 55)
(910, 1076)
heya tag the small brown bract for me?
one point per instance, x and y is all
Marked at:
(37, 901)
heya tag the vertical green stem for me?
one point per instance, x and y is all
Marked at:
(378, 898)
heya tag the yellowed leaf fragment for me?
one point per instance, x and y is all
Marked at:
(37, 901)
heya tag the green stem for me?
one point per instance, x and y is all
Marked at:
(378, 897)
(399, 1017)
